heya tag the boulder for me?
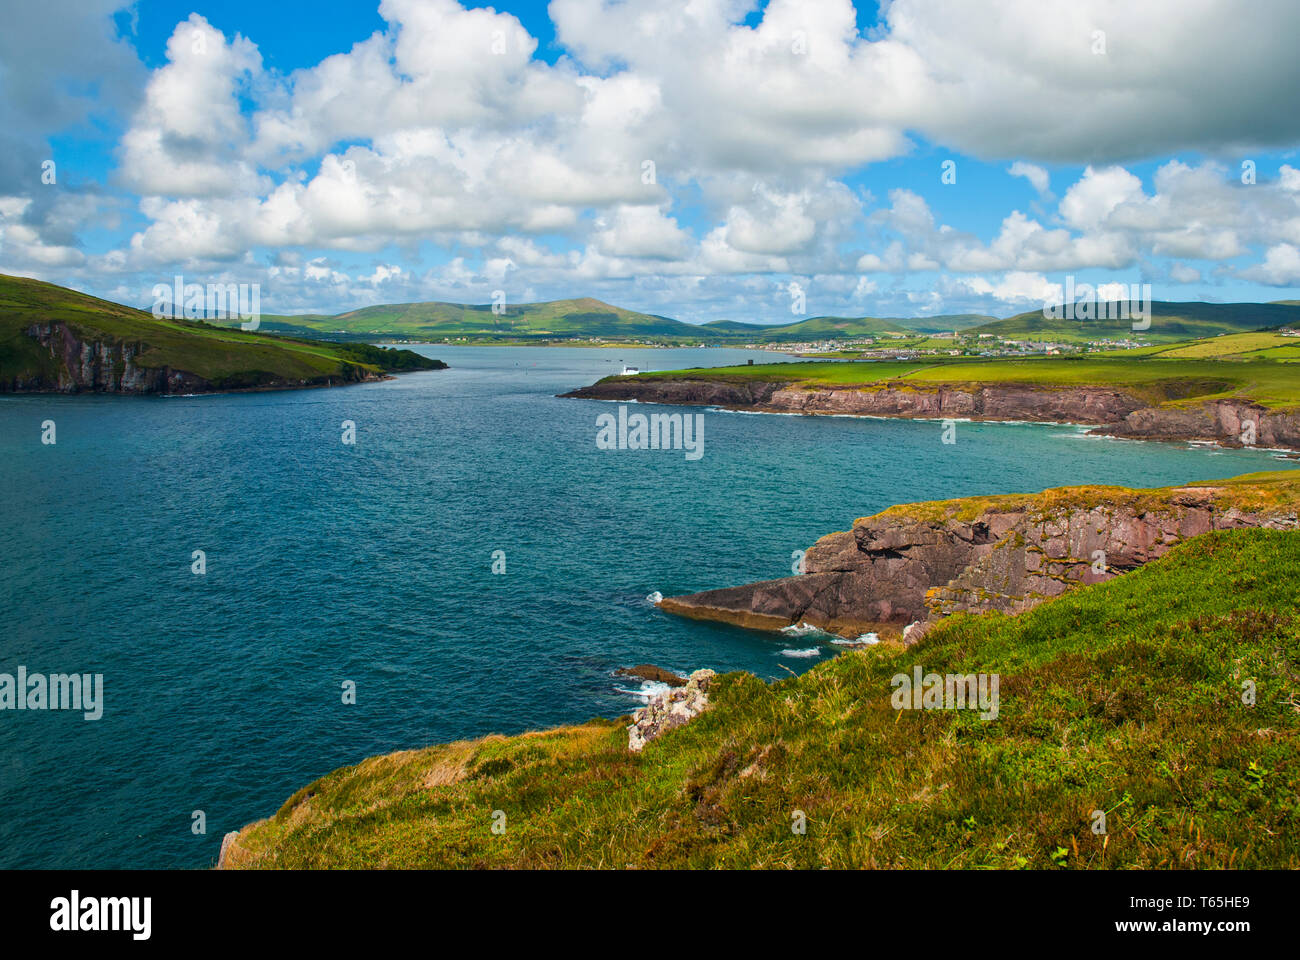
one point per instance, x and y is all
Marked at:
(670, 710)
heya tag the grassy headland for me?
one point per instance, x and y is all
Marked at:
(1161, 378)
(219, 356)
(1125, 697)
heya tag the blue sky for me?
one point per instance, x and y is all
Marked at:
(693, 159)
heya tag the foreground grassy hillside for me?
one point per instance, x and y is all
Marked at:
(1272, 382)
(1124, 697)
(226, 358)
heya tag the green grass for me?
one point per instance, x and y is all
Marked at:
(1123, 697)
(1237, 346)
(225, 357)
(1269, 491)
(1159, 381)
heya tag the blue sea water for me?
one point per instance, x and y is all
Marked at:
(372, 563)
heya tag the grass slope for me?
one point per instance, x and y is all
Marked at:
(1124, 697)
(1170, 322)
(223, 356)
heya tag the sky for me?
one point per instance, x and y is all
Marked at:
(699, 159)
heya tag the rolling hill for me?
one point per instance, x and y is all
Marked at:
(53, 339)
(1170, 322)
(555, 319)
(814, 328)
(589, 318)
(585, 317)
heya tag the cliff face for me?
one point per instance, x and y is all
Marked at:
(1222, 420)
(922, 562)
(80, 364)
(100, 366)
(1113, 411)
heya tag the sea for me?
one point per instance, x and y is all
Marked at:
(266, 602)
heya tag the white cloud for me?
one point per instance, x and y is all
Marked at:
(1016, 288)
(445, 128)
(1281, 267)
(1093, 198)
(1035, 174)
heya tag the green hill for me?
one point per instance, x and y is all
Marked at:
(53, 339)
(944, 323)
(582, 318)
(587, 318)
(814, 328)
(1124, 697)
(555, 319)
(825, 328)
(1170, 322)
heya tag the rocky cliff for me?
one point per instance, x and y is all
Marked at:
(79, 363)
(103, 366)
(920, 562)
(1112, 410)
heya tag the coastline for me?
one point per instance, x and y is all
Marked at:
(1103, 411)
(901, 571)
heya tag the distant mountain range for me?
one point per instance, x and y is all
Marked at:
(591, 318)
(586, 317)
(555, 319)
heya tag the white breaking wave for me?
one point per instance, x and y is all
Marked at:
(754, 413)
(870, 639)
(656, 598)
(803, 630)
(649, 689)
(809, 652)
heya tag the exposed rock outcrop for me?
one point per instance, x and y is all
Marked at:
(917, 563)
(228, 843)
(648, 671)
(1113, 411)
(669, 710)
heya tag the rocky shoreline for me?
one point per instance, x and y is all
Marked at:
(1110, 411)
(899, 571)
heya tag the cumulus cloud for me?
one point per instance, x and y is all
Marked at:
(1281, 267)
(1035, 174)
(682, 147)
